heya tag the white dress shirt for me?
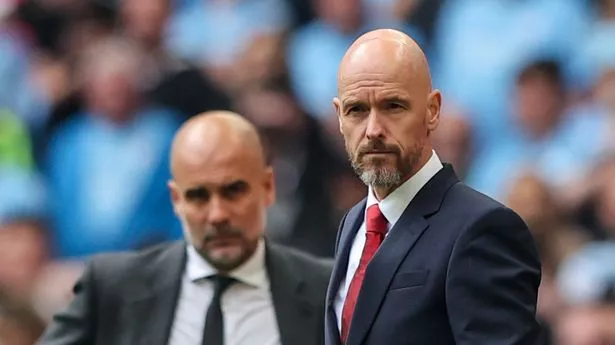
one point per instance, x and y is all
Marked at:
(392, 208)
(247, 306)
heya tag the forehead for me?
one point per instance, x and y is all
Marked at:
(218, 167)
(390, 78)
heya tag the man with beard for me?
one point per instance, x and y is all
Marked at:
(423, 259)
(225, 284)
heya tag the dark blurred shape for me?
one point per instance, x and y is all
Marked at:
(556, 236)
(175, 83)
(303, 215)
(303, 11)
(540, 98)
(50, 20)
(24, 251)
(424, 15)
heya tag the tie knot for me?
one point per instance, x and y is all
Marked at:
(376, 222)
(221, 283)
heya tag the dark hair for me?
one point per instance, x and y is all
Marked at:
(549, 70)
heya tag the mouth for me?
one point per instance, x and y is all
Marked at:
(224, 241)
(374, 153)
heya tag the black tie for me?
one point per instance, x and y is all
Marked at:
(214, 324)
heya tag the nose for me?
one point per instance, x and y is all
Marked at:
(218, 211)
(375, 129)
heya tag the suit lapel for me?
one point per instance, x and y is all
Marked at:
(349, 227)
(386, 261)
(297, 318)
(150, 312)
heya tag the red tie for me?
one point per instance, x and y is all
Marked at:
(376, 228)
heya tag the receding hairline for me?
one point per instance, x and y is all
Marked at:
(236, 127)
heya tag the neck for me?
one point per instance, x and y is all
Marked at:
(381, 192)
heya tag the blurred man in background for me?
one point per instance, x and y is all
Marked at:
(225, 284)
(106, 167)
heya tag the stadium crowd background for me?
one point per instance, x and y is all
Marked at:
(92, 91)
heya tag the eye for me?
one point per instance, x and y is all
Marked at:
(355, 110)
(395, 106)
(199, 194)
(235, 189)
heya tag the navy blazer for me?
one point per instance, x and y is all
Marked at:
(457, 268)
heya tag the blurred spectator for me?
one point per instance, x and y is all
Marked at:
(23, 236)
(588, 277)
(174, 83)
(18, 91)
(556, 236)
(108, 166)
(215, 33)
(314, 51)
(482, 44)
(453, 140)
(19, 324)
(559, 144)
(587, 326)
(302, 216)
(53, 288)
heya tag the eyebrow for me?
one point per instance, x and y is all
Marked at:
(349, 102)
(196, 192)
(397, 99)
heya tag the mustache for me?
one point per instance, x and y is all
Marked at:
(212, 233)
(376, 146)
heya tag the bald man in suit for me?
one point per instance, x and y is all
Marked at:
(423, 259)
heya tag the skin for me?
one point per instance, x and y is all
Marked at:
(221, 187)
(386, 108)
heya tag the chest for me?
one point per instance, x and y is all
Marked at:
(248, 315)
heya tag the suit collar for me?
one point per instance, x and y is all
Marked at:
(289, 295)
(393, 206)
(401, 238)
(154, 302)
(253, 272)
(348, 228)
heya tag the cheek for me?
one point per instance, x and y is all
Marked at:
(251, 218)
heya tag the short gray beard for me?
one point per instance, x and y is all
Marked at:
(380, 178)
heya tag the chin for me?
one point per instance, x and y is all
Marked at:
(227, 257)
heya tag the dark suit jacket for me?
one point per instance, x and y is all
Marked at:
(130, 298)
(457, 268)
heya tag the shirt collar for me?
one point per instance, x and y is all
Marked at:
(252, 272)
(393, 206)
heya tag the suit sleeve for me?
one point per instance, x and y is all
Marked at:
(492, 283)
(75, 324)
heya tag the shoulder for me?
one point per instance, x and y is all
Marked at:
(69, 129)
(314, 269)
(114, 268)
(473, 205)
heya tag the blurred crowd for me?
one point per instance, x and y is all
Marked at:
(92, 91)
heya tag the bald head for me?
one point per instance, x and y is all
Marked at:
(215, 136)
(385, 49)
